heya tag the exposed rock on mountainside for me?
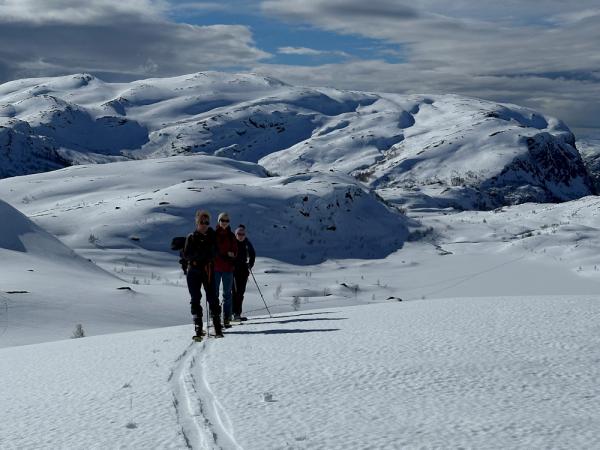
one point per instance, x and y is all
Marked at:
(590, 152)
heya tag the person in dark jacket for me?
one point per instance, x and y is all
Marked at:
(226, 253)
(199, 252)
(244, 262)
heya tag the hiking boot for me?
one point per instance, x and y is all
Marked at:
(218, 326)
(227, 324)
(198, 327)
(199, 331)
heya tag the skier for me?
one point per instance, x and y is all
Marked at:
(244, 262)
(226, 253)
(199, 252)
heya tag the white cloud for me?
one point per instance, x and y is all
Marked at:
(198, 8)
(468, 43)
(304, 51)
(542, 54)
(573, 102)
(299, 51)
(113, 38)
(572, 17)
(77, 12)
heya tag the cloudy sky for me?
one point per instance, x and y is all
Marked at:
(542, 54)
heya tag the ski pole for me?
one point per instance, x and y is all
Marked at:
(261, 296)
(207, 317)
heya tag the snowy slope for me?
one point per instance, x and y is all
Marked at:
(46, 289)
(515, 373)
(28, 248)
(19, 234)
(123, 216)
(465, 153)
(459, 151)
(300, 219)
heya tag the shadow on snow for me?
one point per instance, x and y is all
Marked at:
(284, 331)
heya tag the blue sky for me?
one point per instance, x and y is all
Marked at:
(539, 54)
(272, 34)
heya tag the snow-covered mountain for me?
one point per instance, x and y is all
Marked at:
(444, 149)
(442, 328)
(300, 219)
(590, 152)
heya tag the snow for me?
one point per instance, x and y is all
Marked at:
(495, 372)
(123, 216)
(460, 151)
(143, 204)
(84, 393)
(407, 313)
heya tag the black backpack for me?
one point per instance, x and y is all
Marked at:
(178, 243)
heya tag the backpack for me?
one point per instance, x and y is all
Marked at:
(178, 243)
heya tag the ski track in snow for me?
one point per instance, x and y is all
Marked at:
(204, 422)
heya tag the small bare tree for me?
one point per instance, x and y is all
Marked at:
(78, 333)
(277, 292)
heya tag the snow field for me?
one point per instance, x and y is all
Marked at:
(92, 393)
(454, 373)
(495, 372)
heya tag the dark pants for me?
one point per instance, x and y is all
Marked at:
(198, 277)
(240, 278)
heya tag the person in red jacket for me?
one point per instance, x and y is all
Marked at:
(224, 265)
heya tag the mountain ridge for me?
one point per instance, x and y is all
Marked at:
(446, 150)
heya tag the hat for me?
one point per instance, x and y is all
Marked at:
(223, 215)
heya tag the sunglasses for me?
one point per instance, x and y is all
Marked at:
(224, 220)
(204, 222)
(240, 234)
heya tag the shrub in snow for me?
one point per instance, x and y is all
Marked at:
(78, 333)
(277, 292)
(268, 397)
